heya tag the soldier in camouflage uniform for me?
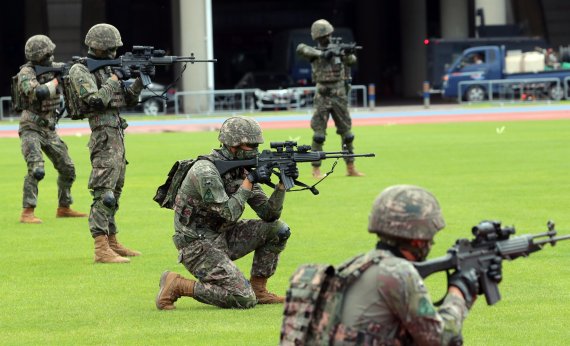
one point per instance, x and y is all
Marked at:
(39, 97)
(389, 304)
(100, 95)
(209, 235)
(332, 77)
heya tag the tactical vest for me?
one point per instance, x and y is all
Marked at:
(325, 71)
(313, 306)
(76, 107)
(20, 102)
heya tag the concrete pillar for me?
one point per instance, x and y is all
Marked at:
(413, 30)
(454, 18)
(196, 36)
(495, 11)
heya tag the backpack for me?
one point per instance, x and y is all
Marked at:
(314, 301)
(17, 101)
(166, 193)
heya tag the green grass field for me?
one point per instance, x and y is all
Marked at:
(53, 294)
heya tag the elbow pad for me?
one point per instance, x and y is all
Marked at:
(42, 92)
(97, 104)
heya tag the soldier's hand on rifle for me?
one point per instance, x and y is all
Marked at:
(122, 73)
(262, 175)
(495, 271)
(467, 281)
(328, 54)
(291, 170)
(149, 70)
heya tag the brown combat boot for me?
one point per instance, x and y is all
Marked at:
(173, 286)
(68, 212)
(29, 217)
(258, 283)
(351, 170)
(104, 254)
(317, 173)
(119, 248)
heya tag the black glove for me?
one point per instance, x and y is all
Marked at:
(260, 175)
(467, 281)
(291, 171)
(122, 73)
(328, 54)
(495, 271)
(149, 70)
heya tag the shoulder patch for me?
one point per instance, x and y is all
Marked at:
(425, 308)
(82, 90)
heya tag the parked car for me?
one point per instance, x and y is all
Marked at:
(150, 100)
(272, 91)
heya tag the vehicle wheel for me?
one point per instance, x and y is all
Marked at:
(556, 92)
(475, 93)
(151, 107)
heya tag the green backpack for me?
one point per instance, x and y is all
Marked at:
(314, 300)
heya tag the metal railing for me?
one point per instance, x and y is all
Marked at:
(234, 100)
(513, 90)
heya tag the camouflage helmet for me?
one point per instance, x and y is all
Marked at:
(321, 28)
(238, 130)
(103, 36)
(38, 46)
(406, 212)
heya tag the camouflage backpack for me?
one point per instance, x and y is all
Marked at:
(17, 99)
(166, 193)
(313, 305)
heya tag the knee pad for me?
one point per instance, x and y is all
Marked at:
(108, 199)
(283, 232)
(348, 138)
(38, 173)
(318, 138)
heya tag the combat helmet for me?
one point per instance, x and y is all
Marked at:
(239, 129)
(37, 47)
(103, 36)
(321, 28)
(406, 212)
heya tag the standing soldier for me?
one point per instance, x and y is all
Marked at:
(331, 98)
(39, 97)
(100, 95)
(209, 235)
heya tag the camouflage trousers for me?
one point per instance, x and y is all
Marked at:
(331, 101)
(107, 178)
(32, 143)
(221, 283)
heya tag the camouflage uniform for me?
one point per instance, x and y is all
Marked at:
(332, 76)
(209, 236)
(37, 126)
(102, 97)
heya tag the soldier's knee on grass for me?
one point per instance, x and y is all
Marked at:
(280, 233)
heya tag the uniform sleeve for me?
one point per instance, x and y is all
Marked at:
(210, 188)
(133, 91)
(308, 52)
(84, 85)
(268, 209)
(27, 82)
(350, 60)
(406, 295)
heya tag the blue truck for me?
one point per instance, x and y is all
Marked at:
(490, 72)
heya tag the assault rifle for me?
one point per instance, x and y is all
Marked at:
(139, 58)
(341, 49)
(131, 62)
(491, 240)
(284, 155)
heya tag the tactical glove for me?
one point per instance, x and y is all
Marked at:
(149, 70)
(291, 171)
(495, 271)
(467, 281)
(260, 175)
(122, 73)
(328, 54)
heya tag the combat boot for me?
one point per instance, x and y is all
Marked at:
(258, 283)
(351, 170)
(317, 173)
(173, 286)
(104, 254)
(119, 248)
(68, 212)
(29, 217)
